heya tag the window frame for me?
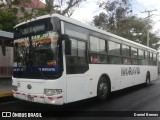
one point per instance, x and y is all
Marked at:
(136, 52)
(124, 55)
(120, 55)
(99, 39)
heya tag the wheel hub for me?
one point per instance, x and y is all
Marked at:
(103, 89)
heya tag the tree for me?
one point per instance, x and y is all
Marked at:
(11, 12)
(23, 9)
(116, 11)
(117, 20)
(63, 7)
(7, 20)
(20, 10)
(8, 17)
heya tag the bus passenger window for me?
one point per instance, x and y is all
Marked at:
(94, 44)
(102, 46)
(127, 61)
(125, 50)
(134, 52)
(114, 48)
(77, 61)
(81, 52)
(95, 59)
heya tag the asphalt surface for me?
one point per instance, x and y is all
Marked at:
(135, 99)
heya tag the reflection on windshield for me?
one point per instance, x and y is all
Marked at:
(39, 51)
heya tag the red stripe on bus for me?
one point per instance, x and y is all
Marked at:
(41, 97)
(59, 97)
(50, 98)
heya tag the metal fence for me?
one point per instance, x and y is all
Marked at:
(5, 71)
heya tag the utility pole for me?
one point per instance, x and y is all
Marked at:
(148, 11)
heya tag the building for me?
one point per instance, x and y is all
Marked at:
(36, 4)
(6, 59)
(29, 7)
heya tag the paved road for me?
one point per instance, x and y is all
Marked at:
(139, 98)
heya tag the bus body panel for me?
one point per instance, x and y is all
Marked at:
(77, 87)
(37, 90)
(85, 85)
(117, 80)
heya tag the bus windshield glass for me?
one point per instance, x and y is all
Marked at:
(36, 52)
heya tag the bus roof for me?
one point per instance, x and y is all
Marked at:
(78, 23)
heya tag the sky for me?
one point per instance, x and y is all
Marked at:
(89, 9)
(139, 6)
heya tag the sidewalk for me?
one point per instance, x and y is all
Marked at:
(5, 87)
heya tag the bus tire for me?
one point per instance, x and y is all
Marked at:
(148, 82)
(102, 89)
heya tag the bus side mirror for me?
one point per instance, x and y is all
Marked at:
(67, 44)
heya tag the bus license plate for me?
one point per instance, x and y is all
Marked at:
(30, 98)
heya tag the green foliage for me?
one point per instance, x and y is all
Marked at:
(19, 8)
(10, 10)
(63, 7)
(117, 20)
(7, 20)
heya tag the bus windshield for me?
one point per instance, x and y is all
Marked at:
(36, 54)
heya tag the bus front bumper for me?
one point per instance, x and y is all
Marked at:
(39, 98)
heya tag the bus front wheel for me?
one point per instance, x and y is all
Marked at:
(102, 89)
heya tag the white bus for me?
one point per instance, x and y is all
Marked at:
(58, 60)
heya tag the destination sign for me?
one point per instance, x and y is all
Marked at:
(33, 29)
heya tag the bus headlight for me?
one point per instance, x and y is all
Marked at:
(14, 88)
(50, 92)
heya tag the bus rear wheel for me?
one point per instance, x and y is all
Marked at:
(102, 89)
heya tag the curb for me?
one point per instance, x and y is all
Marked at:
(6, 97)
(6, 94)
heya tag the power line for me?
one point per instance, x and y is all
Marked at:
(149, 15)
(132, 4)
(139, 4)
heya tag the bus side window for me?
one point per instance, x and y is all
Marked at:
(77, 61)
(154, 59)
(94, 44)
(114, 48)
(147, 57)
(134, 52)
